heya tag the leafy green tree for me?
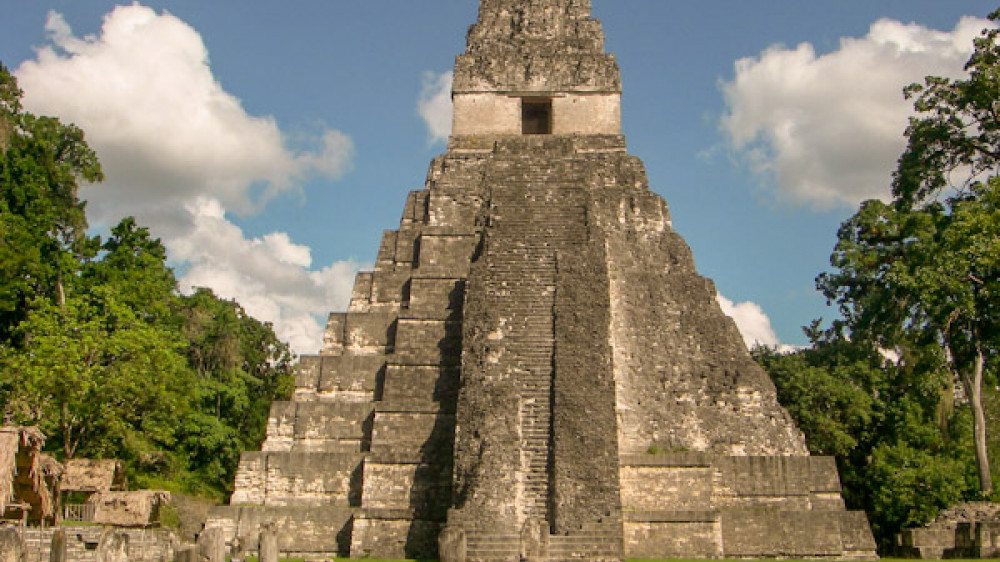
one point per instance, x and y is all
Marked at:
(42, 222)
(921, 273)
(97, 378)
(242, 366)
(832, 392)
(96, 345)
(907, 486)
(135, 265)
(901, 457)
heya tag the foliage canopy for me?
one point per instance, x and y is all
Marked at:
(96, 345)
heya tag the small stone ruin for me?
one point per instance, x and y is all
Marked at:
(968, 530)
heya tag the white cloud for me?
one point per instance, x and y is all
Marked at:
(827, 130)
(179, 153)
(270, 276)
(434, 105)
(754, 325)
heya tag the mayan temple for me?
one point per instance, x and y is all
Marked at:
(534, 370)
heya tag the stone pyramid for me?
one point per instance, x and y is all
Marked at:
(534, 369)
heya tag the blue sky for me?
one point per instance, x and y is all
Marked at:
(271, 167)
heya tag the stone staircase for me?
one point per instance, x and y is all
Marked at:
(489, 546)
(364, 447)
(537, 211)
(522, 254)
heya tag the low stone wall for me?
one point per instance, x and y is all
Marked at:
(676, 534)
(303, 530)
(85, 542)
(968, 530)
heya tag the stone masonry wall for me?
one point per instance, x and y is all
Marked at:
(532, 340)
(684, 379)
(538, 45)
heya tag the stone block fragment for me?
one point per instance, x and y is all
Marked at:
(212, 545)
(58, 546)
(12, 547)
(268, 541)
(113, 546)
(452, 545)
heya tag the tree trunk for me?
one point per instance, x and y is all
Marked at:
(60, 292)
(979, 425)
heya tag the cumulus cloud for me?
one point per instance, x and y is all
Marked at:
(270, 275)
(179, 153)
(754, 325)
(826, 130)
(434, 105)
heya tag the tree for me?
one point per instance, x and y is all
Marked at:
(832, 390)
(95, 377)
(901, 457)
(135, 265)
(42, 221)
(920, 274)
(241, 364)
(96, 345)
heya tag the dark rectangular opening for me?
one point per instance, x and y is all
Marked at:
(536, 116)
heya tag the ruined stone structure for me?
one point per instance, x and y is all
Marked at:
(534, 370)
(967, 530)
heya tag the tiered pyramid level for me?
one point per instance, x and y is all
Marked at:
(534, 370)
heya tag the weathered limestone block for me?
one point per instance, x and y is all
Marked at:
(926, 543)
(12, 547)
(651, 487)
(406, 244)
(445, 255)
(673, 534)
(455, 208)
(251, 479)
(212, 545)
(398, 426)
(280, 426)
(543, 73)
(765, 482)
(333, 334)
(186, 554)
(113, 546)
(388, 286)
(302, 529)
(307, 376)
(433, 383)
(268, 551)
(386, 257)
(349, 377)
(452, 545)
(369, 333)
(415, 208)
(428, 342)
(394, 534)
(361, 293)
(856, 535)
(333, 421)
(58, 546)
(311, 478)
(804, 534)
(412, 484)
(317, 426)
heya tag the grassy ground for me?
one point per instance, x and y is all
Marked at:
(626, 560)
